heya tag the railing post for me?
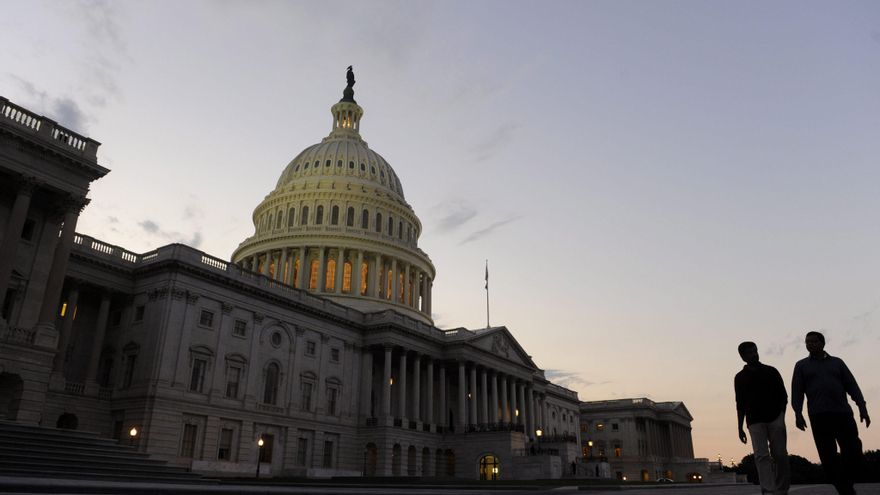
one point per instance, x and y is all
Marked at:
(46, 127)
(91, 150)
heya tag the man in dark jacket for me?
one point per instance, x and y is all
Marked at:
(826, 381)
(761, 401)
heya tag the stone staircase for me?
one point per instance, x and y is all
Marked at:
(31, 451)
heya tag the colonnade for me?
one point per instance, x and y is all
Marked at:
(476, 397)
(68, 209)
(338, 270)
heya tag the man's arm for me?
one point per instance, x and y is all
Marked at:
(852, 388)
(738, 388)
(797, 397)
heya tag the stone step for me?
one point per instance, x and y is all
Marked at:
(8, 455)
(36, 446)
(12, 466)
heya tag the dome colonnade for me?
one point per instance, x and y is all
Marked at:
(337, 223)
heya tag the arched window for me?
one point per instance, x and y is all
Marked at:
(349, 217)
(411, 461)
(365, 270)
(269, 222)
(378, 222)
(395, 460)
(490, 468)
(371, 459)
(450, 463)
(400, 230)
(319, 215)
(290, 217)
(304, 216)
(313, 276)
(279, 219)
(334, 215)
(330, 276)
(346, 277)
(365, 219)
(270, 385)
(390, 225)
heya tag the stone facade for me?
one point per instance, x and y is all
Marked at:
(205, 356)
(642, 440)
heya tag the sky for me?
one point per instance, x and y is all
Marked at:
(651, 182)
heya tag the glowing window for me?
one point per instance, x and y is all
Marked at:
(365, 270)
(330, 276)
(313, 277)
(346, 277)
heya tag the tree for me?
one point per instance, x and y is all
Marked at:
(802, 470)
(871, 466)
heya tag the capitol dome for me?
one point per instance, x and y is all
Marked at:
(338, 209)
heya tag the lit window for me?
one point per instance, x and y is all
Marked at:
(313, 278)
(330, 275)
(365, 270)
(346, 277)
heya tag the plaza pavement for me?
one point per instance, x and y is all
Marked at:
(55, 486)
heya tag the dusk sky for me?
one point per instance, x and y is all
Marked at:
(652, 182)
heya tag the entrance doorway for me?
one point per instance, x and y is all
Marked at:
(490, 468)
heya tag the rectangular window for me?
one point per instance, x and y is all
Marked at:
(328, 454)
(139, 313)
(188, 444)
(224, 447)
(307, 396)
(614, 427)
(331, 401)
(233, 377)
(197, 379)
(206, 318)
(302, 450)
(334, 355)
(310, 348)
(128, 372)
(239, 329)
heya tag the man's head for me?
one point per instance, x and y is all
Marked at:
(815, 343)
(748, 351)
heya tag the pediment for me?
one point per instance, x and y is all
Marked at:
(499, 342)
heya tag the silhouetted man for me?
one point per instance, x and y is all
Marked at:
(826, 380)
(761, 401)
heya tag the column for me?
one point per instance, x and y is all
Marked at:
(407, 290)
(55, 283)
(401, 396)
(356, 273)
(530, 397)
(12, 234)
(484, 398)
(376, 277)
(98, 343)
(304, 268)
(366, 382)
(493, 411)
(255, 263)
(462, 385)
(428, 291)
(504, 416)
(417, 388)
(386, 384)
(429, 392)
(395, 282)
(521, 400)
(513, 405)
(66, 329)
(281, 269)
(442, 382)
(418, 290)
(322, 270)
(340, 270)
(472, 402)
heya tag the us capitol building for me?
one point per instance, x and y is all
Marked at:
(315, 339)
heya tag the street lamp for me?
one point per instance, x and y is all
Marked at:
(260, 444)
(132, 435)
(590, 446)
(539, 433)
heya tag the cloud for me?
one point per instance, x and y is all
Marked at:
(112, 219)
(570, 379)
(193, 210)
(455, 214)
(150, 226)
(488, 230)
(196, 240)
(497, 140)
(781, 347)
(63, 110)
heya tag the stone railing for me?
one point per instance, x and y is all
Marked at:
(269, 408)
(17, 335)
(334, 230)
(105, 393)
(48, 130)
(556, 389)
(558, 439)
(490, 427)
(75, 388)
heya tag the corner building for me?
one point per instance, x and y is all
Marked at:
(316, 338)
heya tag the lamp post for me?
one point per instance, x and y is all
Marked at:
(132, 435)
(260, 444)
(590, 449)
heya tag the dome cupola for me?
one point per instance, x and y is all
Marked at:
(337, 225)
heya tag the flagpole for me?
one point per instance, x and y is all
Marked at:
(487, 294)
